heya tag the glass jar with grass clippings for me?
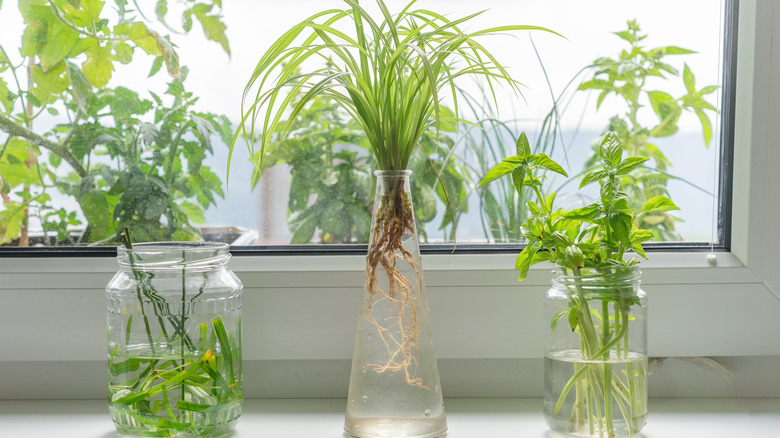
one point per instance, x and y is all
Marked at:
(596, 357)
(174, 340)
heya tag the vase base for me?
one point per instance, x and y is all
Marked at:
(566, 428)
(359, 427)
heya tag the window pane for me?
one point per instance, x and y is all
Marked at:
(92, 142)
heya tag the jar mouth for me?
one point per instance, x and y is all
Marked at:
(173, 255)
(597, 278)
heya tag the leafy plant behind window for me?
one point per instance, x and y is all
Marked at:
(627, 77)
(127, 160)
(649, 112)
(331, 176)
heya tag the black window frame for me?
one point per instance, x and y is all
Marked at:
(724, 192)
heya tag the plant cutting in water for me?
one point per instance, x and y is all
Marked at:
(163, 381)
(390, 76)
(590, 239)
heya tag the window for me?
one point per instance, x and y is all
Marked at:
(473, 297)
(130, 179)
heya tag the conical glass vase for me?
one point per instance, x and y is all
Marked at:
(394, 388)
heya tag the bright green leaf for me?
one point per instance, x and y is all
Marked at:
(518, 178)
(545, 162)
(505, 166)
(124, 53)
(122, 29)
(98, 212)
(611, 150)
(156, 65)
(140, 36)
(213, 27)
(523, 146)
(659, 203)
(592, 176)
(639, 250)
(587, 213)
(689, 80)
(186, 20)
(629, 164)
(548, 203)
(672, 50)
(49, 83)
(161, 9)
(533, 207)
(99, 66)
(60, 39)
(194, 212)
(708, 90)
(706, 126)
(305, 231)
(656, 99)
(524, 259)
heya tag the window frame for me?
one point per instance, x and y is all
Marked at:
(724, 193)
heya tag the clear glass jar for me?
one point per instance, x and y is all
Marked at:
(596, 355)
(174, 340)
(394, 386)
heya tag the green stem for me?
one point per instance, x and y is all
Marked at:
(539, 195)
(622, 408)
(182, 313)
(137, 275)
(579, 403)
(632, 389)
(586, 321)
(605, 326)
(608, 399)
(569, 385)
(62, 151)
(56, 12)
(607, 367)
(596, 396)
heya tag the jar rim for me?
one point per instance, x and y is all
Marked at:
(173, 255)
(188, 247)
(603, 277)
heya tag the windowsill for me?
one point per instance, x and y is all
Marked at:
(467, 418)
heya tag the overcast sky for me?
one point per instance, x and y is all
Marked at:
(587, 25)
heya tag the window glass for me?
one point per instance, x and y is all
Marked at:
(96, 134)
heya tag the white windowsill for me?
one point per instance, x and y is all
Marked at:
(467, 418)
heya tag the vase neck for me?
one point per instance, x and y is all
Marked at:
(388, 181)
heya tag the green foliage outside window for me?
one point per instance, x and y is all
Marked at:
(126, 160)
(139, 161)
(332, 179)
(628, 76)
(638, 77)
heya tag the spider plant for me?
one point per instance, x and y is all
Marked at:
(390, 75)
(393, 76)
